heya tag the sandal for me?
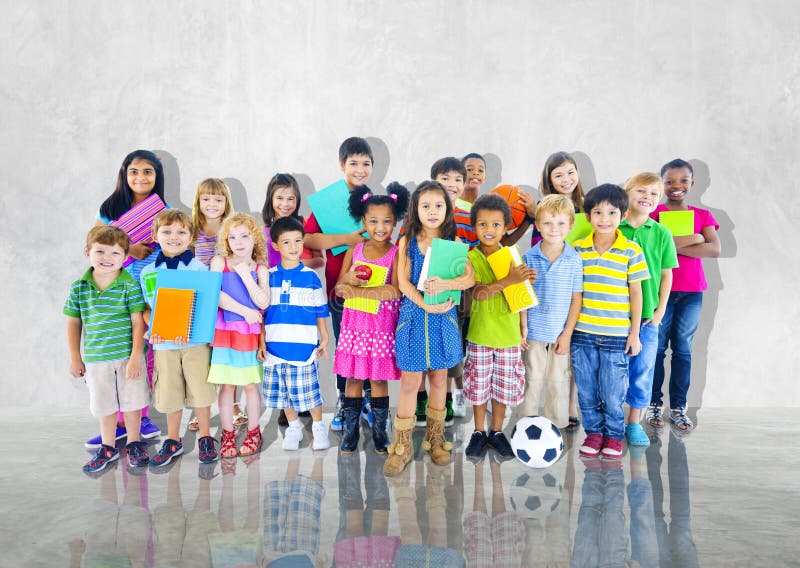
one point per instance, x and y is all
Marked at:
(239, 419)
(655, 416)
(194, 424)
(682, 422)
(228, 444)
(251, 443)
(636, 436)
(572, 423)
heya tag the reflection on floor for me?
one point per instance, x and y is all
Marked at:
(685, 501)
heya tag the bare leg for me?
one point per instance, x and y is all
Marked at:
(225, 402)
(133, 420)
(204, 418)
(108, 429)
(253, 402)
(174, 424)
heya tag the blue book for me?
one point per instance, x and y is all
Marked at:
(206, 286)
(329, 206)
(236, 289)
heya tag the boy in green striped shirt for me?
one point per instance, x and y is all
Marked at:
(107, 304)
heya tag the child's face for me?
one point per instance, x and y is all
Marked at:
(290, 245)
(490, 226)
(174, 239)
(141, 177)
(565, 178)
(212, 206)
(453, 182)
(432, 209)
(476, 173)
(677, 183)
(644, 198)
(106, 259)
(284, 201)
(241, 241)
(554, 228)
(605, 218)
(357, 169)
(379, 222)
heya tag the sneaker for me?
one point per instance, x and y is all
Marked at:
(366, 412)
(170, 449)
(500, 443)
(612, 449)
(292, 438)
(97, 441)
(104, 456)
(422, 411)
(282, 420)
(137, 454)
(147, 429)
(476, 444)
(459, 403)
(207, 449)
(591, 446)
(337, 424)
(320, 432)
(449, 417)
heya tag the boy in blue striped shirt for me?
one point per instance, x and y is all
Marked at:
(296, 335)
(607, 331)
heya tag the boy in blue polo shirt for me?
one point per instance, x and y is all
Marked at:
(608, 325)
(107, 303)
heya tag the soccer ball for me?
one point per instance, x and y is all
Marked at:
(536, 441)
(535, 496)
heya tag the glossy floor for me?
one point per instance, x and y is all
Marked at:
(726, 495)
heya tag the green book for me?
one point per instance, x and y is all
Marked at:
(679, 223)
(580, 229)
(445, 259)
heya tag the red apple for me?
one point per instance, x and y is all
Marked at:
(363, 272)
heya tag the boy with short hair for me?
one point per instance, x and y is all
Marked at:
(180, 377)
(496, 335)
(355, 161)
(559, 288)
(296, 335)
(108, 303)
(608, 325)
(644, 192)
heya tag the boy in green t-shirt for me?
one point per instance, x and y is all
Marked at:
(496, 335)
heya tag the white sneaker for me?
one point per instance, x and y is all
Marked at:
(459, 403)
(292, 438)
(320, 431)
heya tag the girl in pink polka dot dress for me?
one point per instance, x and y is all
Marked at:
(365, 349)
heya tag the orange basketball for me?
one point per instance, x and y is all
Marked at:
(510, 193)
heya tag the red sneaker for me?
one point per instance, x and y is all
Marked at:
(612, 449)
(591, 446)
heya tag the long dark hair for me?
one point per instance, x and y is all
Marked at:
(121, 200)
(278, 181)
(447, 230)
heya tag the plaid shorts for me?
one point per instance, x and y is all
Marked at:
(498, 374)
(290, 386)
(292, 513)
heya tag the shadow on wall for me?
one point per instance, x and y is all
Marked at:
(586, 171)
(239, 199)
(380, 165)
(172, 182)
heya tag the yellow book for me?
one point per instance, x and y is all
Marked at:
(519, 296)
(378, 278)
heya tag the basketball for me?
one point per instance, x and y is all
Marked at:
(510, 193)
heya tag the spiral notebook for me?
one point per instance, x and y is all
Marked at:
(173, 313)
(138, 221)
(200, 316)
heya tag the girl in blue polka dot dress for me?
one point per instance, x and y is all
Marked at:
(427, 336)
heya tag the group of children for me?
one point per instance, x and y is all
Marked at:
(608, 309)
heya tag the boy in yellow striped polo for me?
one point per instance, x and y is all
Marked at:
(607, 331)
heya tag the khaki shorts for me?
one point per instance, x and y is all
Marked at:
(110, 391)
(180, 379)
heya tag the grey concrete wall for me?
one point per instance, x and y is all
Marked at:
(242, 90)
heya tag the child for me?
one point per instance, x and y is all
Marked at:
(475, 167)
(686, 296)
(427, 336)
(494, 368)
(644, 191)
(559, 288)
(108, 302)
(296, 335)
(355, 161)
(139, 176)
(181, 367)
(608, 325)
(238, 329)
(365, 349)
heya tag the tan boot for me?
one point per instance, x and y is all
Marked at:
(400, 451)
(434, 443)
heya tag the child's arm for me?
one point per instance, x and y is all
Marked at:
(134, 366)
(516, 274)
(227, 303)
(663, 297)
(349, 286)
(259, 291)
(262, 346)
(527, 201)
(709, 248)
(633, 345)
(316, 260)
(435, 285)
(408, 289)
(77, 368)
(563, 341)
(523, 329)
(688, 240)
(322, 329)
(322, 241)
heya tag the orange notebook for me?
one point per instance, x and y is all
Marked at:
(172, 313)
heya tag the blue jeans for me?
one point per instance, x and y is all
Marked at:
(677, 331)
(600, 366)
(641, 368)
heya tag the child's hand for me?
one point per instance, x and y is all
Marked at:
(133, 370)
(520, 273)
(155, 339)
(139, 251)
(261, 354)
(350, 278)
(252, 316)
(523, 344)
(633, 345)
(355, 237)
(434, 285)
(344, 291)
(322, 350)
(439, 308)
(658, 315)
(528, 202)
(562, 344)
(242, 269)
(77, 368)
(180, 340)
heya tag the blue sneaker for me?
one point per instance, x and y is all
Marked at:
(104, 456)
(137, 454)
(97, 441)
(366, 412)
(148, 430)
(337, 424)
(170, 449)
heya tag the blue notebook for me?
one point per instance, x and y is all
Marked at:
(236, 289)
(329, 206)
(206, 286)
